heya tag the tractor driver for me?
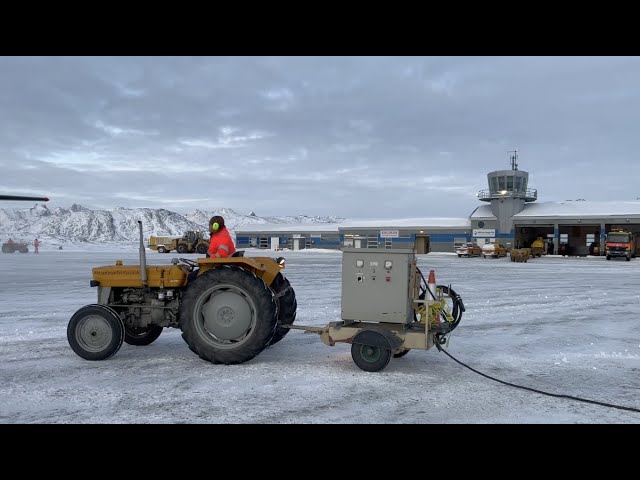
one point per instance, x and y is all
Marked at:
(221, 244)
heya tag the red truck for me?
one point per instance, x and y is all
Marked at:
(620, 243)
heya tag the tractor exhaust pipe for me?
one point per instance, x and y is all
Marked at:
(143, 258)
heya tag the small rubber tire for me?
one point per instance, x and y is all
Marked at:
(95, 332)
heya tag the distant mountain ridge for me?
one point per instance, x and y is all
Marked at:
(80, 224)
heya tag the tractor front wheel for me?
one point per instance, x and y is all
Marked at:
(95, 332)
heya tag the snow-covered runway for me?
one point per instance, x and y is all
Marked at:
(565, 325)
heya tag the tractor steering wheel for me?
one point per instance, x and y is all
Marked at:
(191, 263)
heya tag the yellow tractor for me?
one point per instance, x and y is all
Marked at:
(229, 309)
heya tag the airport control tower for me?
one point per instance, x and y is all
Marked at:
(508, 192)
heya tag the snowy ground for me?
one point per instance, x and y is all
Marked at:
(565, 325)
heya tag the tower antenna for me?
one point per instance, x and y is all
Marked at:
(514, 159)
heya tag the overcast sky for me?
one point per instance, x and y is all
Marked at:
(360, 137)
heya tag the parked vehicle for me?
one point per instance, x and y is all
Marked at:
(495, 250)
(537, 247)
(193, 241)
(520, 254)
(469, 249)
(11, 246)
(620, 243)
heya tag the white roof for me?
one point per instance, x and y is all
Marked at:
(572, 209)
(333, 227)
(288, 227)
(437, 222)
(580, 209)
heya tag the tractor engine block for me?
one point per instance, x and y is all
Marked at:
(156, 306)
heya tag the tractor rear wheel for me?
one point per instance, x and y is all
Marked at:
(287, 307)
(141, 336)
(95, 332)
(228, 315)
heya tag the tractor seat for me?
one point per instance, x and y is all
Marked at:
(238, 253)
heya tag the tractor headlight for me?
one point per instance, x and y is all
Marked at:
(280, 261)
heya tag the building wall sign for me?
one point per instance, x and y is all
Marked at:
(389, 233)
(484, 232)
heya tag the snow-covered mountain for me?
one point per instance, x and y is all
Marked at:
(80, 224)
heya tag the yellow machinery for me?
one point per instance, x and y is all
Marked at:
(520, 254)
(192, 241)
(230, 309)
(537, 247)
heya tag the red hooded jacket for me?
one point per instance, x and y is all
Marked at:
(221, 244)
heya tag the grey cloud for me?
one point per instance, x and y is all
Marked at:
(350, 136)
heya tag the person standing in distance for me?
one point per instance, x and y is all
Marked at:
(221, 244)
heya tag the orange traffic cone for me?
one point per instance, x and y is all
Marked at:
(431, 284)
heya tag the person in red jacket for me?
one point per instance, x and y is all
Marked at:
(221, 244)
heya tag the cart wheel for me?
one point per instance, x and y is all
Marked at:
(370, 358)
(401, 353)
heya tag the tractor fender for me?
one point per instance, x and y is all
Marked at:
(378, 337)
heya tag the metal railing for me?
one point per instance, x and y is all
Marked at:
(529, 195)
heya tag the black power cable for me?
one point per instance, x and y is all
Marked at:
(458, 305)
(557, 395)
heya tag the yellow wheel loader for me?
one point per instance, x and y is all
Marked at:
(192, 241)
